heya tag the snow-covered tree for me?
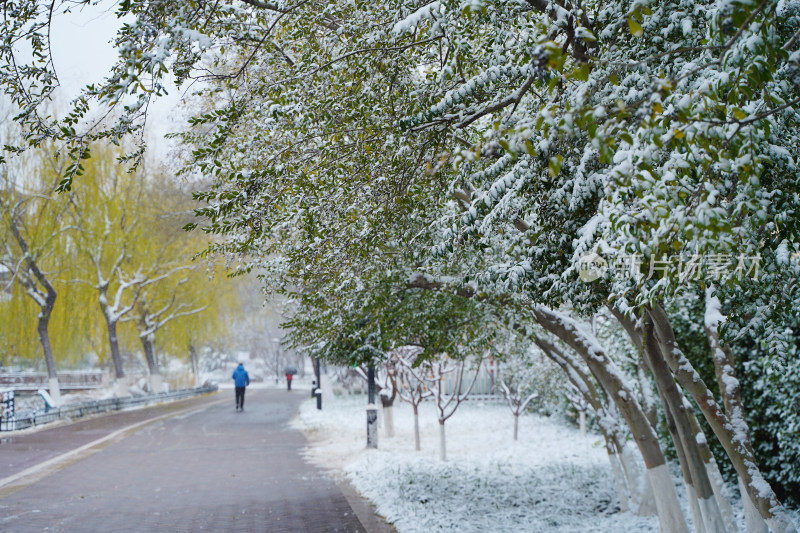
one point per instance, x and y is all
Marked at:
(33, 236)
(522, 376)
(450, 382)
(108, 213)
(660, 137)
(411, 389)
(26, 266)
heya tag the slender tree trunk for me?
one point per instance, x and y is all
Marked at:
(442, 442)
(388, 420)
(516, 426)
(152, 364)
(706, 509)
(724, 368)
(752, 518)
(708, 518)
(582, 422)
(627, 483)
(150, 355)
(714, 475)
(732, 434)
(46, 302)
(195, 369)
(648, 403)
(113, 344)
(643, 501)
(387, 403)
(669, 511)
(416, 428)
(44, 339)
(623, 491)
(116, 357)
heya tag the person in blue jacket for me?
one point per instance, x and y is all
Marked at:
(240, 381)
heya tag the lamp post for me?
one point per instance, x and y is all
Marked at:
(372, 410)
(276, 343)
(318, 390)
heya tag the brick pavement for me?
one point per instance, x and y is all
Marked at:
(23, 449)
(210, 470)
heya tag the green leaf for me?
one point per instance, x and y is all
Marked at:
(581, 73)
(554, 166)
(635, 27)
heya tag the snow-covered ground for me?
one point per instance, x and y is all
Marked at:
(552, 479)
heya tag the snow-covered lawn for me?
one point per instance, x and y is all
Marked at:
(552, 479)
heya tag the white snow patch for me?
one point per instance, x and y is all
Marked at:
(551, 480)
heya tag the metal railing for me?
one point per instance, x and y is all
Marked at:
(32, 381)
(36, 418)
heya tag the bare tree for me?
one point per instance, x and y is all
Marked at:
(517, 382)
(434, 374)
(410, 388)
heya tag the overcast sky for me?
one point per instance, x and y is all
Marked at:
(83, 53)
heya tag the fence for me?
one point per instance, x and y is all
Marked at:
(36, 418)
(33, 381)
(484, 387)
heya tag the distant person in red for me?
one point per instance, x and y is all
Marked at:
(288, 381)
(240, 381)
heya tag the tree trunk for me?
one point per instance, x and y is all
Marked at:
(388, 420)
(686, 472)
(416, 428)
(626, 484)
(46, 303)
(752, 518)
(714, 475)
(442, 442)
(724, 368)
(43, 328)
(709, 519)
(642, 498)
(113, 344)
(387, 402)
(647, 505)
(703, 502)
(582, 422)
(619, 478)
(732, 434)
(516, 426)
(195, 369)
(670, 515)
(605, 371)
(150, 355)
(152, 364)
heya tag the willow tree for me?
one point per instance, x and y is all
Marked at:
(107, 213)
(183, 300)
(35, 240)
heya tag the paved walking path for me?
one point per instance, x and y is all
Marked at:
(193, 465)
